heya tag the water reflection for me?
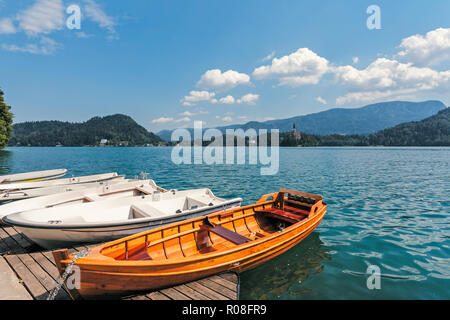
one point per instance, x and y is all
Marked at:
(286, 273)
(5, 162)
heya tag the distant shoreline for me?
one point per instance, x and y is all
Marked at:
(281, 147)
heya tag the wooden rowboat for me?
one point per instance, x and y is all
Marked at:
(234, 240)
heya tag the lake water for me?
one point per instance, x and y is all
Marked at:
(387, 207)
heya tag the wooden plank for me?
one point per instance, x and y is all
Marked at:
(4, 249)
(10, 243)
(230, 276)
(11, 287)
(191, 293)
(157, 296)
(218, 288)
(38, 272)
(174, 294)
(36, 289)
(45, 278)
(18, 238)
(197, 286)
(141, 297)
(225, 283)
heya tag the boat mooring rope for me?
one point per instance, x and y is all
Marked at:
(60, 281)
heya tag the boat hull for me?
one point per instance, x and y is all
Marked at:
(9, 187)
(45, 191)
(33, 176)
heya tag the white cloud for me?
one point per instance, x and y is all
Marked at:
(385, 78)
(321, 100)
(201, 111)
(225, 100)
(187, 114)
(93, 12)
(215, 79)
(269, 57)
(162, 120)
(355, 60)
(249, 98)
(227, 119)
(44, 16)
(430, 49)
(299, 68)
(196, 96)
(7, 26)
(83, 35)
(185, 119)
(46, 46)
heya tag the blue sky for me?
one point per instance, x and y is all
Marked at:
(168, 63)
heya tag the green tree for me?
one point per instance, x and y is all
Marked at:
(6, 119)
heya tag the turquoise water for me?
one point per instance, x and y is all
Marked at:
(387, 207)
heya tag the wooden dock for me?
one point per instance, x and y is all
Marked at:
(36, 271)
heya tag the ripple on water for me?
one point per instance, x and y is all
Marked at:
(386, 206)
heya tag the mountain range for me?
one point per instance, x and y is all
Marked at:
(360, 121)
(396, 123)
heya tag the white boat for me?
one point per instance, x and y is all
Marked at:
(58, 182)
(116, 218)
(32, 176)
(105, 190)
(11, 195)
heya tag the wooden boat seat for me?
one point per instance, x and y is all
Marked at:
(282, 215)
(296, 210)
(225, 233)
(144, 190)
(143, 210)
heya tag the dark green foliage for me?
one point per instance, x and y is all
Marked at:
(117, 129)
(339, 140)
(433, 131)
(287, 139)
(6, 119)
